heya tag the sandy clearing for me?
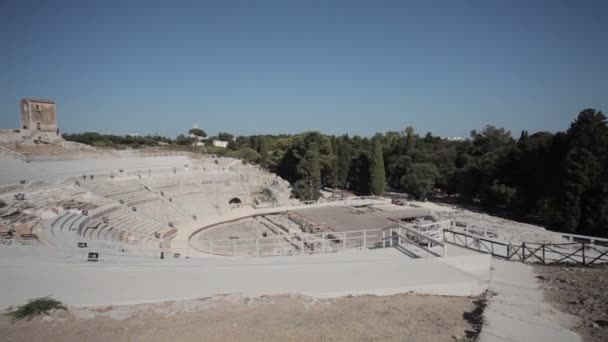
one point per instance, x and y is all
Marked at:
(277, 318)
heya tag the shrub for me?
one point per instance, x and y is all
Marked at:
(36, 307)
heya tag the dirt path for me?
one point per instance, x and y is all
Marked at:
(579, 291)
(278, 318)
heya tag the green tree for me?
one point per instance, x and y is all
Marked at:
(499, 195)
(580, 203)
(489, 140)
(358, 176)
(225, 136)
(309, 170)
(377, 174)
(247, 154)
(198, 132)
(263, 150)
(409, 139)
(343, 160)
(419, 180)
(183, 140)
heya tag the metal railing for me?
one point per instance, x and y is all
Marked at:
(477, 243)
(586, 239)
(285, 244)
(412, 241)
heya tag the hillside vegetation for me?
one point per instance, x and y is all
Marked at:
(556, 179)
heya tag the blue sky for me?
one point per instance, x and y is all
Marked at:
(356, 67)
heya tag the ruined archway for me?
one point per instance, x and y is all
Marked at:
(235, 201)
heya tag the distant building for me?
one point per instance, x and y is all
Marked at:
(38, 115)
(220, 143)
(454, 138)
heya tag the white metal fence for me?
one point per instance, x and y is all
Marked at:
(304, 243)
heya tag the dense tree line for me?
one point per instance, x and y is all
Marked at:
(115, 141)
(559, 180)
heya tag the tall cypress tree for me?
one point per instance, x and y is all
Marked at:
(344, 157)
(263, 152)
(581, 189)
(309, 170)
(315, 169)
(376, 168)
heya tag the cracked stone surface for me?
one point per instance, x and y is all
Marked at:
(517, 310)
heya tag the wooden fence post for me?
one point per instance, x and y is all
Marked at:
(543, 246)
(583, 249)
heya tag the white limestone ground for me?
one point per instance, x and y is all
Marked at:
(517, 310)
(378, 272)
(509, 231)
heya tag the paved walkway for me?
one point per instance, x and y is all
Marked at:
(379, 272)
(518, 312)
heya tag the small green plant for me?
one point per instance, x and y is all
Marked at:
(35, 307)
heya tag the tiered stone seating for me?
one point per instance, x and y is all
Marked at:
(162, 212)
(134, 193)
(15, 170)
(185, 192)
(196, 204)
(123, 225)
(162, 190)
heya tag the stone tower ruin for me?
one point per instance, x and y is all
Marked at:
(38, 115)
